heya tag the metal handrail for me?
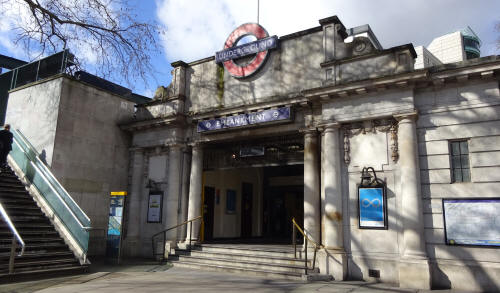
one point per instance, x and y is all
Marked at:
(164, 232)
(72, 211)
(47, 173)
(16, 236)
(306, 240)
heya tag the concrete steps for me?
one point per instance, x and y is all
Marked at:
(46, 254)
(259, 260)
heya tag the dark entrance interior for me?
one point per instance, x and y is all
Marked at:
(208, 212)
(246, 209)
(283, 200)
(266, 200)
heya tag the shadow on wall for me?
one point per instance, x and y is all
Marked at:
(463, 256)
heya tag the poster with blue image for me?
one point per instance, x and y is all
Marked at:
(371, 208)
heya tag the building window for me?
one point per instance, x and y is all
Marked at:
(460, 168)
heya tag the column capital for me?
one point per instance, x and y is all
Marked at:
(329, 127)
(195, 144)
(403, 116)
(176, 145)
(309, 131)
(136, 149)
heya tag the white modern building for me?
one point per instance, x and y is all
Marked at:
(454, 47)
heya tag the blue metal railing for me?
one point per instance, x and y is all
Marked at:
(63, 206)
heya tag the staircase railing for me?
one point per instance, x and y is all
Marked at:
(62, 204)
(164, 233)
(15, 239)
(317, 246)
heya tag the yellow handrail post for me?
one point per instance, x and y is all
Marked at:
(294, 240)
(306, 240)
(305, 253)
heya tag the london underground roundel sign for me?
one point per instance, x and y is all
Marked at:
(260, 48)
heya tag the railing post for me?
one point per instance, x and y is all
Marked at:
(190, 233)
(305, 253)
(294, 240)
(314, 257)
(12, 254)
(164, 242)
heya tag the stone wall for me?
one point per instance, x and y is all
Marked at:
(34, 110)
(470, 112)
(77, 132)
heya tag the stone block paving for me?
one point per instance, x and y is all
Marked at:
(154, 278)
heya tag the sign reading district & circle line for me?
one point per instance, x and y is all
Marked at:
(260, 48)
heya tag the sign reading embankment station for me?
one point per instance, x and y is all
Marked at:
(265, 116)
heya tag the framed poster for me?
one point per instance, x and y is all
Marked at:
(372, 210)
(230, 201)
(472, 221)
(155, 204)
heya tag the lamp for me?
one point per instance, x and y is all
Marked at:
(366, 177)
(152, 184)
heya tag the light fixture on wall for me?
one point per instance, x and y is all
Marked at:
(152, 184)
(366, 177)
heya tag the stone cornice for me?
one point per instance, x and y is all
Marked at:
(178, 119)
(369, 85)
(296, 100)
(409, 115)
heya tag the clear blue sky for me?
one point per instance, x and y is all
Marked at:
(196, 29)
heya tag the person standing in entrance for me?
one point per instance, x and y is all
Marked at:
(5, 145)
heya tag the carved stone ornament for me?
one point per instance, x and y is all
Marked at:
(394, 142)
(347, 158)
(364, 127)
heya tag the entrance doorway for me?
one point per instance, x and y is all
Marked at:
(258, 187)
(246, 209)
(208, 212)
(284, 200)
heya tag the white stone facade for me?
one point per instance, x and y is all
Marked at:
(352, 112)
(354, 105)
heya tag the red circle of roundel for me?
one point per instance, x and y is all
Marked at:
(243, 30)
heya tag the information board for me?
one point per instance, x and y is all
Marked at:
(372, 211)
(472, 221)
(155, 207)
(115, 225)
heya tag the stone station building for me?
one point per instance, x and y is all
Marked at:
(338, 107)
(285, 133)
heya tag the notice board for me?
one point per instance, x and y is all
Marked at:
(472, 221)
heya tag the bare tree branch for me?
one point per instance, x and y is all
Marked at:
(104, 34)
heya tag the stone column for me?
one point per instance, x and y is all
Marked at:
(195, 185)
(171, 202)
(414, 267)
(132, 240)
(311, 186)
(332, 213)
(186, 171)
(333, 260)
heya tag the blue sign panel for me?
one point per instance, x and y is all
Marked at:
(371, 207)
(280, 114)
(246, 49)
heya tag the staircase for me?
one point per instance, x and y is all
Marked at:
(270, 261)
(45, 251)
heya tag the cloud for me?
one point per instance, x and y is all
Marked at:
(196, 29)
